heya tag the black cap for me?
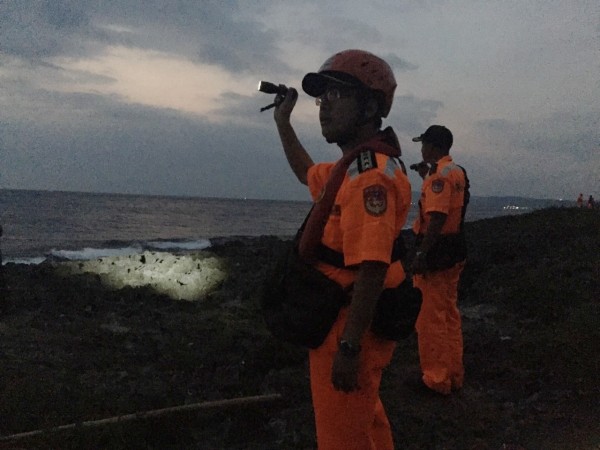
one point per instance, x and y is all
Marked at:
(438, 135)
(314, 83)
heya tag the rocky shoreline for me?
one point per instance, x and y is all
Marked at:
(89, 340)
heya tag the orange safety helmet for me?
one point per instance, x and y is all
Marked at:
(354, 67)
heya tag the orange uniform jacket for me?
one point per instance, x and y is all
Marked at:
(443, 191)
(369, 212)
(438, 326)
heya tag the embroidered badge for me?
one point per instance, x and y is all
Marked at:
(437, 186)
(375, 198)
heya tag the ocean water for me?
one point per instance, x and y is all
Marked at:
(41, 224)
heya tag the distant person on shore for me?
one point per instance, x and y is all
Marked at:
(580, 200)
(354, 90)
(437, 265)
(591, 203)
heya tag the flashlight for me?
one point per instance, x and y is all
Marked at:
(272, 88)
(279, 90)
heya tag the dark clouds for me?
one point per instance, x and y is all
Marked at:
(50, 139)
(207, 31)
(399, 64)
(143, 150)
(576, 138)
(412, 116)
(92, 142)
(41, 28)
(96, 143)
(539, 157)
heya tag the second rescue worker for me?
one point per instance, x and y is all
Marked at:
(439, 261)
(354, 90)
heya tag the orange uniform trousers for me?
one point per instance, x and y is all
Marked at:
(355, 420)
(439, 330)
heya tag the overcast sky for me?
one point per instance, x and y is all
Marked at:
(159, 96)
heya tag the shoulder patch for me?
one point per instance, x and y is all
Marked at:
(375, 199)
(437, 186)
(366, 161)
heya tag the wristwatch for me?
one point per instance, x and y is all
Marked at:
(349, 349)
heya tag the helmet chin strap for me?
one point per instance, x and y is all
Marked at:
(364, 118)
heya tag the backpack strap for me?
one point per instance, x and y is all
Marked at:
(467, 197)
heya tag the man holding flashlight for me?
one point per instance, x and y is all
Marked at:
(354, 90)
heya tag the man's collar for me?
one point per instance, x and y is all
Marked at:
(444, 159)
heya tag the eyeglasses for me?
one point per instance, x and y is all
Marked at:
(332, 94)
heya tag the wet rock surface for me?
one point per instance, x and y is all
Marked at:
(74, 348)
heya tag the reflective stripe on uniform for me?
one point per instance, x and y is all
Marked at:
(355, 170)
(390, 168)
(447, 169)
(366, 161)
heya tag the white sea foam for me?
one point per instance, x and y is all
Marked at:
(90, 253)
(95, 253)
(26, 261)
(200, 244)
